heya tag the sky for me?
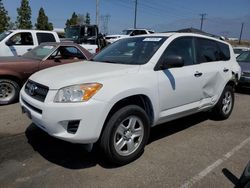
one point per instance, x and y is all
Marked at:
(223, 17)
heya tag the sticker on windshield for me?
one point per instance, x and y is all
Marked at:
(48, 47)
(152, 39)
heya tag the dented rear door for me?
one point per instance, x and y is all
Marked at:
(215, 70)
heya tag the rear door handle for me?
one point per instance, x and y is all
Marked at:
(225, 70)
(198, 74)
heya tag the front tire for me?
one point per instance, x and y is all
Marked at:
(224, 107)
(125, 135)
(9, 91)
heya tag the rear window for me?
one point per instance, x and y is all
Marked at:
(45, 37)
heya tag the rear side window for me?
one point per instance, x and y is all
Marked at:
(224, 51)
(45, 37)
(208, 50)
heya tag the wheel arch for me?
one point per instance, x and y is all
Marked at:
(140, 100)
(13, 78)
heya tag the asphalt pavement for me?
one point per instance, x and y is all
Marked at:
(190, 152)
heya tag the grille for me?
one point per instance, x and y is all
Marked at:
(36, 91)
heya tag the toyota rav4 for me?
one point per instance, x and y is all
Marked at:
(129, 87)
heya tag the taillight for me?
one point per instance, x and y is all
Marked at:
(97, 50)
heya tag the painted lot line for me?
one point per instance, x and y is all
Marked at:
(211, 167)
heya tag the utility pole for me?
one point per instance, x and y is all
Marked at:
(104, 23)
(97, 13)
(135, 14)
(241, 30)
(202, 19)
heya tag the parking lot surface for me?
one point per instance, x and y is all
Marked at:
(191, 152)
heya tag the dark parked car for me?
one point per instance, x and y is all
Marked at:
(244, 62)
(14, 71)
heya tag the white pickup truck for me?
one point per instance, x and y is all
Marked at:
(127, 33)
(17, 42)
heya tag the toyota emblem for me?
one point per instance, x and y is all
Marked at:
(32, 89)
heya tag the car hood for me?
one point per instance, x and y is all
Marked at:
(245, 66)
(81, 72)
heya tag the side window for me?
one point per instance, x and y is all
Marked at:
(21, 39)
(207, 50)
(224, 51)
(142, 32)
(182, 47)
(71, 52)
(45, 37)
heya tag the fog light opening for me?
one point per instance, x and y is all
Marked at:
(73, 126)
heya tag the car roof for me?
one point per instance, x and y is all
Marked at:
(66, 43)
(180, 34)
(31, 30)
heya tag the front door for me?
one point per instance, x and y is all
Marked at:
(180, 88)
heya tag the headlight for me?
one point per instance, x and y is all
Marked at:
(77, 93)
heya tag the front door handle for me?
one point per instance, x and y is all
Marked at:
(225, 70)
(197, 74)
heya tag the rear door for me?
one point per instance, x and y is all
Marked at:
(212, 56)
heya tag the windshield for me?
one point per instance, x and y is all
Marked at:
(40, 52)
(244, 57)
(72, 32)
(4, 34)
(126, 32)
(135, 51)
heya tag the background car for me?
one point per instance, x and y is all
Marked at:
(244, 62)
(127, 33)
(14, 71)
(238, 50)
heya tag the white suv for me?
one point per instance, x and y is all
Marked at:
(131, 86)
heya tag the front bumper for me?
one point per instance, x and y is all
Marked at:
(53, 118)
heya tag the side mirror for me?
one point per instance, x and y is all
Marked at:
(57, 59)
(172, 61)
(9, 43)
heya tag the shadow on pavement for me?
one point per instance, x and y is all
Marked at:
(170, 128)
(75, 156)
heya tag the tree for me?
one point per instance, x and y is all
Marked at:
(80, 19)
(43, 21)
(24, 15)
(72, 21)
(4, 18)
(87, 18)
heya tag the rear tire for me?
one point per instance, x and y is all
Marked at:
(224, 106)
(125, 135)
(9, 91)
